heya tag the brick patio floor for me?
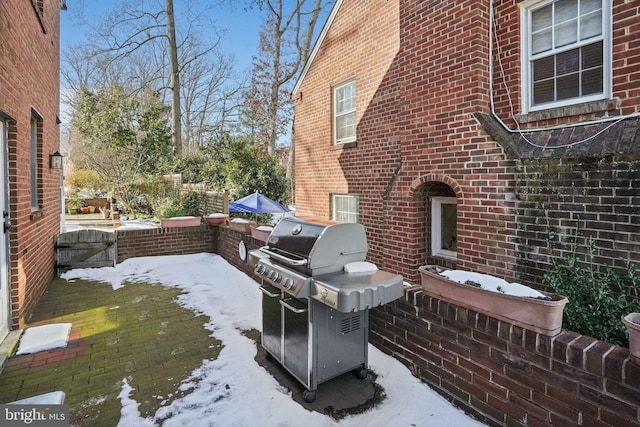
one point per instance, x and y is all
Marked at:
(136, 332)
(140, 334)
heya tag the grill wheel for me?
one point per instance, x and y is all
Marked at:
(309, 396)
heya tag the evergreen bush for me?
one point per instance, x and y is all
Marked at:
(597, 299)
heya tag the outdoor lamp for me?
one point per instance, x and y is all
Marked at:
(55, 160)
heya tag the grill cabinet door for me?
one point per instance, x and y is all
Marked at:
(296, 339)
(271, 320)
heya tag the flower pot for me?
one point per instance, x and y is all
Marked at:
(632, 321)
(180, 221)
(241, 225)
(261, 232)
(539, 315)
(92, 209)
(85, 209)
(216, 218)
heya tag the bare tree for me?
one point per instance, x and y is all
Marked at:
(285, 43)
(136, 25)
(211, 95)
(143, 47)
(176, 128)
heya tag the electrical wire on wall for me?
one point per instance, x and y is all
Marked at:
(494, 35)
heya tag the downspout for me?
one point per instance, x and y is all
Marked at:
(385, 204)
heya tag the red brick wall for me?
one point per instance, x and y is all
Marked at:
(501, 373)
(361, 44)
(186, 240)
(415, 128)
(29, 70)
(166, 241)
(507, 375)
(228, 243)
(626, 65)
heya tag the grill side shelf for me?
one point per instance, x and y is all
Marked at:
(357, 291)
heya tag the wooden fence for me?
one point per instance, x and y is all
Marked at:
(85, 249)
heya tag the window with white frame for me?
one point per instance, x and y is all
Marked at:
(345, 208)
(444, 224)
(566, 52)
(35, 162)
(344, 112)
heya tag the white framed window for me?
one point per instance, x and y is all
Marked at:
(566, 52)
(345, 208)
(444, 225)
(35, 162)
(344, 112)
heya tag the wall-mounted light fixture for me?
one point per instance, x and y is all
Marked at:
(55, 160)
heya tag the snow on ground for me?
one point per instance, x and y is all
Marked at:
(234, 390)
(125, 224)
(45, 337)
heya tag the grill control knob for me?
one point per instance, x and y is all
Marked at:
(289, 283)
(274, 276)
(261, 269)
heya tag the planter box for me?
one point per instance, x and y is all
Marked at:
(632, 321)
(261, 232)
(216, 219)
(241, 225)
(542, 316)
(179, 221)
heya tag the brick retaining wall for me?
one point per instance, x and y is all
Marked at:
(166, 241)
(228, 247)
(186, 240)
(507, 375)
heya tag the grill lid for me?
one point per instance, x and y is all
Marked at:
(294, 237)
(317, 246)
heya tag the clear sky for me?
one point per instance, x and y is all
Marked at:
(241, 37)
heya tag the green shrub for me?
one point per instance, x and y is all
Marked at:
(597, 299)
(184, 204)
(88, 180)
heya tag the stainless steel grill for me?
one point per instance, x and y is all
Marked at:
(317, 290)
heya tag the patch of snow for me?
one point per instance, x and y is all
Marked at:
(492, 283)
(45, 337)
(240, 220)
(130, 415)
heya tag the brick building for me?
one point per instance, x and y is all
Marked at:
(399, 126)
(29, 187)
(458, 133)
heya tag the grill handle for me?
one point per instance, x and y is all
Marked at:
(285, 304)
(269, 293)
(283, 259)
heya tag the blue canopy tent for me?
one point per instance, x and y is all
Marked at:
(256, 203)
